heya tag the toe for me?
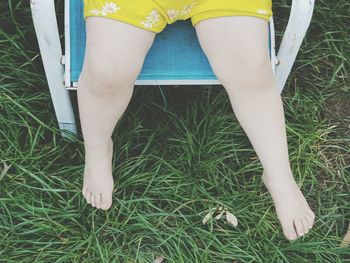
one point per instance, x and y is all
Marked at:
(92, 200)
(305, 225)
(88, 197)
(289, 232)
(98, 201)
(299, 227)
(106, 201)
(291, 235)
(312, 215)
(84, 191)
(310, 219)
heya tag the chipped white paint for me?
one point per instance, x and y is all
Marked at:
(45, 24)
(273, 45)
(305, 5)
(299, 21)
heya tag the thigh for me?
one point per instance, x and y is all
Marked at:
(114, 37)
(234, 44)
(114, 49)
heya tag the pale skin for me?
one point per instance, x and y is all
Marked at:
(236, 48)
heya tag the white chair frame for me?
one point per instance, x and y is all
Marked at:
(45, 24)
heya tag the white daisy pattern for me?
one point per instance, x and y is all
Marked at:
(153, 16)
(147, 24)
(261, 11)
(186, 9)
(151, 19)
(172, 13)
(108, 7)
(95, 11)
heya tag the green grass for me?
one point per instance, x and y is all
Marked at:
(173, 162)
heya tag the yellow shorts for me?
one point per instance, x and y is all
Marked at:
(154, 15)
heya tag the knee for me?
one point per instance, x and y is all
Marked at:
(109, 75)
(251, 71)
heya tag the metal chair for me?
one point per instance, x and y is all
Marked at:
(175, 57)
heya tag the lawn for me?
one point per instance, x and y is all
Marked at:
(176, 157)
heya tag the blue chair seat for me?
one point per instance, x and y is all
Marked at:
(175, 54)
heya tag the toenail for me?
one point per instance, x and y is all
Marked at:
(292, 236)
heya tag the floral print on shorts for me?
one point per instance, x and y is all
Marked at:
(154, 15)
(108, 7)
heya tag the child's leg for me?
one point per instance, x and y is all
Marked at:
(114, 56)
(237, 50)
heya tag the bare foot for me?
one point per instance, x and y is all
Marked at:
(98, 179)
(293, 211)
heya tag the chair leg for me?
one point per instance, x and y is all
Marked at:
(45, 24)
(299, 21)
(272, 45)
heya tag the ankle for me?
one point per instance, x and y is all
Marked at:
(98, 145)
(279, 177)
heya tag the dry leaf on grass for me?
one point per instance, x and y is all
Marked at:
(346, 239)
(208, 216)
(219, 215)
(158, 259)
(231, 218)
(4, 171)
